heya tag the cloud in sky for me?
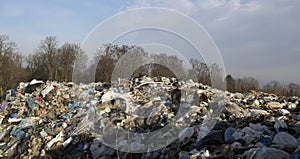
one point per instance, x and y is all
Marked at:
(256, 38)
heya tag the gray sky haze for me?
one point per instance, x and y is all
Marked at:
(258, 38)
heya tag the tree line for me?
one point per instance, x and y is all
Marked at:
(56, 63)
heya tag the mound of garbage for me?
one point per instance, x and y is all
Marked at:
(145, 118)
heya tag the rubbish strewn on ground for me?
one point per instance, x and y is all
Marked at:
(61, 120)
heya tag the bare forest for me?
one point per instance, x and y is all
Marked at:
(53, 62)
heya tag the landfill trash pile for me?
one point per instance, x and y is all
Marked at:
(66, 120)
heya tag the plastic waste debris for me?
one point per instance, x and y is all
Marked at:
(68, 141)
(47, 90)
(285, 141)
(187, 132)
(266, 153)
(59, 137)
(275, 105)
(228, 136)
(64, 120)
(31, 87)
(279, 124)
(4, 105)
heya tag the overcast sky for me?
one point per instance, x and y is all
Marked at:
(258, 38)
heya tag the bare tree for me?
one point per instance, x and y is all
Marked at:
(80, 68)
(216, 78)
(274, 87)
(46, 55)
(67, 54)
(105, 62)
(37, 66)
(11, 71)
(293, 89)
(167, 65)
(231, 83)
(51, 62)
(246, 84)
(201, 71)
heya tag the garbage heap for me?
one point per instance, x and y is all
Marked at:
(66, 120)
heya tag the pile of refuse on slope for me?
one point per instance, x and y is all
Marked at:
(66, 120)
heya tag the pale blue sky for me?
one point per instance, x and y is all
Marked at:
(259, 38)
